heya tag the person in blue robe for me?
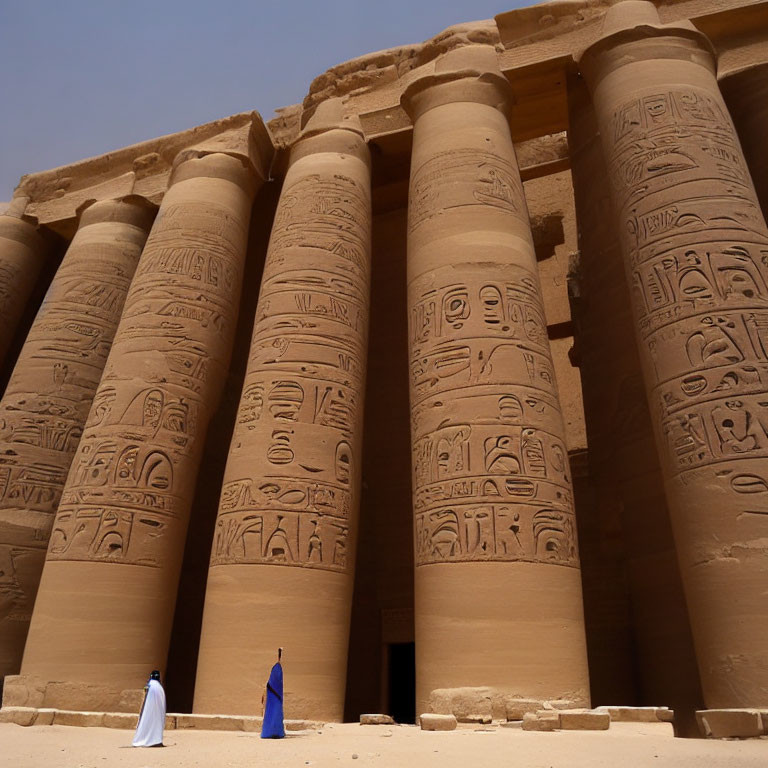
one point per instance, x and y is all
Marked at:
(272, 726)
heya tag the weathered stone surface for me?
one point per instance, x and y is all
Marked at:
(25, 716)
(287, 521)
(638, 714)
(120, 720)
(730, 723)
(543, 720)
(46, 716)
(516, 709)
(215, 722)
(478, 349)
(584, 720)
(462, 702)
(46, 403)
(376, 720)
(80, 719)
(120, 529)
(693, 239)
(436, 722)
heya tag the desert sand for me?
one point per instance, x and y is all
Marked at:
(626, 745)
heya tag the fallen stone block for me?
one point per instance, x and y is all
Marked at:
(376, 720)
(482, 719)
(302, 725)
(79, 719)
(730, 723)
(462, 702)
(584, 720)
(123, 720)
(435, 722)
(638, 714)
(24, 716)
(516, 709)
(543, 720)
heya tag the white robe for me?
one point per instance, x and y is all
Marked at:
(149, 731)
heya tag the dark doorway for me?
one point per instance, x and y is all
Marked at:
(402, 682)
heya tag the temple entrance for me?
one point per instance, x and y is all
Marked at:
(401, 679)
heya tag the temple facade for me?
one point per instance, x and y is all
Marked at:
(452, 381)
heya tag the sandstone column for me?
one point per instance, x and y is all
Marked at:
(48, 397)
(695, 250)
(624, 465)
(23, 249)
(282, 564)
(746, 94)
(498, 590)
(105, 606)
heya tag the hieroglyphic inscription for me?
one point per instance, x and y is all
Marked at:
(131, 483)
(697, 250)
(291, 485)
(464, 177)
(46, 403)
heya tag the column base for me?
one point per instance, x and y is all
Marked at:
(31, 691)
(732, 723)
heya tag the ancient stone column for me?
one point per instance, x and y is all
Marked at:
(46, 403)
(629, 496)
(746, 94)
(497, 584)
(104, 610)
(282, 564)
(695, 250)
(23, 249)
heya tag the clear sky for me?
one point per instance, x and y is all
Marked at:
(82, 77)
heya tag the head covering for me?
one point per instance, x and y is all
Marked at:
(155, 675)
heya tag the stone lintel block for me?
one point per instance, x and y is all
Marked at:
(81, 719)
(584, 720)
(542, 720)
(376, 720)
(639, 714)
(437, 722)
(731, 723)
(120, 720)
(25, 716)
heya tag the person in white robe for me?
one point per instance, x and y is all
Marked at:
(149, 731)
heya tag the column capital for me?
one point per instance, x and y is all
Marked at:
(328, 129)
(248, 147)
(637, 21)
(468, 74)
(132, 209)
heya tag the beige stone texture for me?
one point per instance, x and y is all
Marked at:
(46, 403)
(638, 714)
(120, 528)
(693, 240)
(23, 251)
(120, 720)
(543, 720)
(634, 602)
(516, 709)
(436, 722)
(80, 719)
(287, 523)
(484, 408)
(24, 716)
(584, 720)
(376, 720)
(730, 723)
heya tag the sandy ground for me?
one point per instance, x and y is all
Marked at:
(626, 745)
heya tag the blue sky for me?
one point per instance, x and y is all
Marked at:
(82, 77)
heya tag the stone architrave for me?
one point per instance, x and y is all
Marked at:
(23, 250)
(46, 402)
(746, 94)
(497, 583)
(695, 249)
(282, 565)
(629, 494)
(113, 563)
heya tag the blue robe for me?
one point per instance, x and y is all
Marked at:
(272, 727)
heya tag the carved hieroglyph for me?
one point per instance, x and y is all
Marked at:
(287, 518)
(46, 403)
(695, 248)
(22, 253)
(120, 529)
(746, 94)
(498, 592)
(630, 506)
